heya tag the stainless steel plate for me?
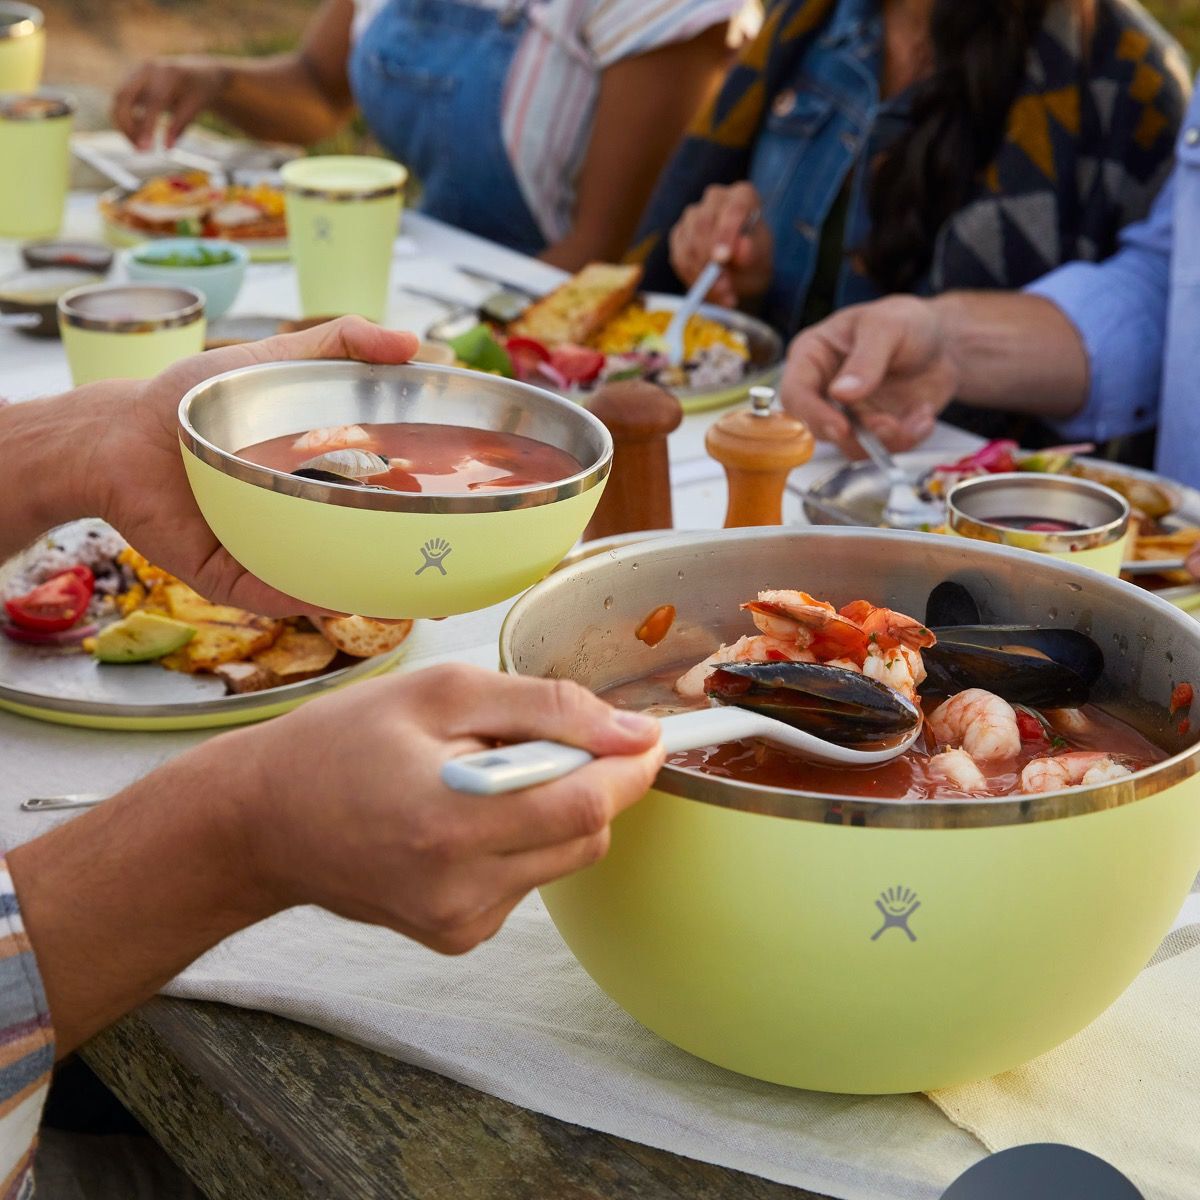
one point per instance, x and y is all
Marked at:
(71, 688)
(860, 489)
(766, 353)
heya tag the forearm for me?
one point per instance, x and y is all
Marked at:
(279, 99)
(45, 469)
(119, 901)
(619, 173)
(1014, 352)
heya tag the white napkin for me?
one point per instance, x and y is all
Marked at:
(519, 1019)
(1127, 1088)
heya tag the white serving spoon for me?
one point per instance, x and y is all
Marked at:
(526, 764)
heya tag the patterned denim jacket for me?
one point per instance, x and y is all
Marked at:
(1087, 146)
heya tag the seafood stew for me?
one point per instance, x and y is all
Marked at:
(976, 743)
(416, 457)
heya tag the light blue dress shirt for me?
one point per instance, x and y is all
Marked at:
(1138, 313)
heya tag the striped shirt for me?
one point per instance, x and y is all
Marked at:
(550, 96)
(26, 1048)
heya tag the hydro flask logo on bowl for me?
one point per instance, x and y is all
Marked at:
(322, 230)
(434, 552)
(896, 904)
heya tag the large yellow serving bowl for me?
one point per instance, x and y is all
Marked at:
(377, 553)
(864, 945)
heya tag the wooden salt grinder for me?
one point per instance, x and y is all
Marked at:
(639, 415)
(758, 447)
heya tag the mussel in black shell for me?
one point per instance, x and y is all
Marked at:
(833, 703)
(1044, 668)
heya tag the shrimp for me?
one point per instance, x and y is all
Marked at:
(885, 623)
(983, 724)
(690, 685)
(1076, 767)
(815, 624)
(892, 668)
(959, 770)
(1070, 722)
(335, 437)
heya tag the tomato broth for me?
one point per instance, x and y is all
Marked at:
(446, 459)
(905, 778)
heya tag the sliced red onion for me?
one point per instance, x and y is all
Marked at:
(39, 637)
(555, 376)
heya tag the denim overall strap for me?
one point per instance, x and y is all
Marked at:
(429, 76)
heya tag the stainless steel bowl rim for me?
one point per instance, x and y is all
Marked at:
(189, 309)
(348, 496)
(1042, 541)
(870, 812)
(67, 104)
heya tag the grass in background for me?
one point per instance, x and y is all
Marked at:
(1182, 18)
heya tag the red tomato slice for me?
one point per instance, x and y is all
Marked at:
(54, 605)
(577, 364)
(1029, 727)
(526, 353)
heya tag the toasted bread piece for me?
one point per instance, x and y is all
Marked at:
(296, 656)
(363, 637)
(579, 309)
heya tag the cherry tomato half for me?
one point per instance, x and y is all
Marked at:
(56, 604)
(577, 364)
(526, 353)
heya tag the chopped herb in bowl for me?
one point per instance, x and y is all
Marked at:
(193, 256)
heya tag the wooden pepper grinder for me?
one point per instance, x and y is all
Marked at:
(639, 415)
(758, 447)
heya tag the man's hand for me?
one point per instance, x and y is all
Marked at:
(712, 229)
(889, 360)
(339, 804)
(352, 813)
(135, 472)
(1193, 562)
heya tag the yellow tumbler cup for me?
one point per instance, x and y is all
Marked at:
(343, 214)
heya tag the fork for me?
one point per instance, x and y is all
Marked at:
(673, 339)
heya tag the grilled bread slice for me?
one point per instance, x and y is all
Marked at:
(579, 309)
(363, 637)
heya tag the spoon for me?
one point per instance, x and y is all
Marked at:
(904, 509)
(525, 764)
(673, 338)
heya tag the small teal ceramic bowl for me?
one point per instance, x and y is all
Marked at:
(212, 267)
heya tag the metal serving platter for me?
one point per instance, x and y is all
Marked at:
(859, 489)
(117, 234)
(71, 688)
(763, 369)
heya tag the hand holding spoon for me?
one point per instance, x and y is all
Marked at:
(825, 714)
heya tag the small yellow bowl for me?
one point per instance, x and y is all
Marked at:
(383, 553)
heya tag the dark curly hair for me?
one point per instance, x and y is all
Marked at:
(959, 116)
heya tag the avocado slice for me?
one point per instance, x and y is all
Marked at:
(141, 637)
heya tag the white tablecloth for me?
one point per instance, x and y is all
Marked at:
(518, 1017)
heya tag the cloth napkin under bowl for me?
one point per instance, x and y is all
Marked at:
(1126, 1089)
